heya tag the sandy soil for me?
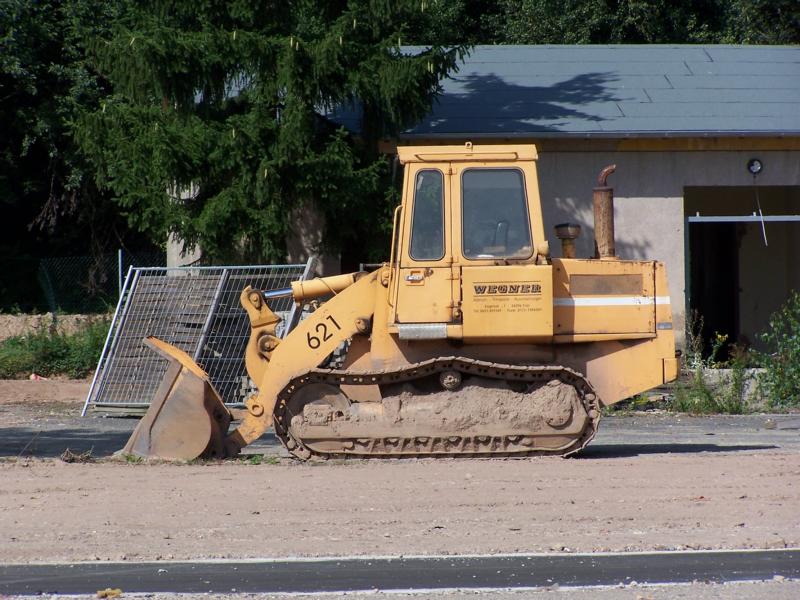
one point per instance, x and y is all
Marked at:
(768, 590)
(50, 394)
(772, 590)
(743, 497)
(50, 510)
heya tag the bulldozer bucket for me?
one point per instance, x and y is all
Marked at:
(186, 419)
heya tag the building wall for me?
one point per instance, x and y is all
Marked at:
(649, 198)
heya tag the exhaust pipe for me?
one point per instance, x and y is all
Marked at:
(603, 200)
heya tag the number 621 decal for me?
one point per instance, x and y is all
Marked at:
(323, 335)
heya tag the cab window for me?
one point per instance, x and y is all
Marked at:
(494, 214)
(427, 220)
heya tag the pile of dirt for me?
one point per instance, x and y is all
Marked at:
(473, 406)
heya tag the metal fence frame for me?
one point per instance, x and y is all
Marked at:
(196, 309)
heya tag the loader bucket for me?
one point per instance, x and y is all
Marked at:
(186, 418)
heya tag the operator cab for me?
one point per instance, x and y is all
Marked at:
(468, 212)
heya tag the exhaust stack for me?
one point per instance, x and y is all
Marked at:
(603, 200)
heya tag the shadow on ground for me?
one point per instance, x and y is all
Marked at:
(631, 450)
(19, 442)
(27, 442)
(16, 442)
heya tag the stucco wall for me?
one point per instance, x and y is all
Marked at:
(649, 198)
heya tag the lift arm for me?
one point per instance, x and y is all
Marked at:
(272, 363)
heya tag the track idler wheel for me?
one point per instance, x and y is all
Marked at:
(186, 419)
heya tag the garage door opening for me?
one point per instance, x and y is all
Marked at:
(741, 267)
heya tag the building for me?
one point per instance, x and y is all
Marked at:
(688, 128)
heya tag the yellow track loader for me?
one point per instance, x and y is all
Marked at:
(471, 341)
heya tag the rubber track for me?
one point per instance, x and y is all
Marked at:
(419, 370)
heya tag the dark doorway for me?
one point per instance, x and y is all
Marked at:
(714, 280)
(740, 269)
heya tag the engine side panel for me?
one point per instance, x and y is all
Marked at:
(604, 297)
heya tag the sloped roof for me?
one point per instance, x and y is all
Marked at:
(619, 91)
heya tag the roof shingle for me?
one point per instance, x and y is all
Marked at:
(623, 90)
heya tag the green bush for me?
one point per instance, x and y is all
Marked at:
(46, 353)
(781, 380)
(728, 395)
(694, 398)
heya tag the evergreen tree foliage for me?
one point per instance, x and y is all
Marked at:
(453, 22)
(227, 100)
(221, 102)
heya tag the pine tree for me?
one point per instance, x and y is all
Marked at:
(227, 99)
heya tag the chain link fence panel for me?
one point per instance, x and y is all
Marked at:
(68, 284)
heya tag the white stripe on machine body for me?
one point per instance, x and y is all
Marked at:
(611, 301)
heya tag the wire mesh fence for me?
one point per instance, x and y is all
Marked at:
(67, 284)
(196, 309)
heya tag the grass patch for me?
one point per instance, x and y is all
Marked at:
(261, 459)
(727, 393)
(699, 397)
(47, 352)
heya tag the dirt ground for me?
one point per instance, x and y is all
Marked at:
(771, 590)
(768, 590)
(52, 511)
(737, 497)
(54, 395)
(16, 325)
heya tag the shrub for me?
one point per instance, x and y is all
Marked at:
(726, 395)
(46, 352)
(781, 379)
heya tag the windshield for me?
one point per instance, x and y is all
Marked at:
(494, 214)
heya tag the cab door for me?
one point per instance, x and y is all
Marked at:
(424, 284)
(505, 293)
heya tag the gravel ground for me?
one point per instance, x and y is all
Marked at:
(770, 590)
(42, 418)
(783, 590)
(648, 481)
